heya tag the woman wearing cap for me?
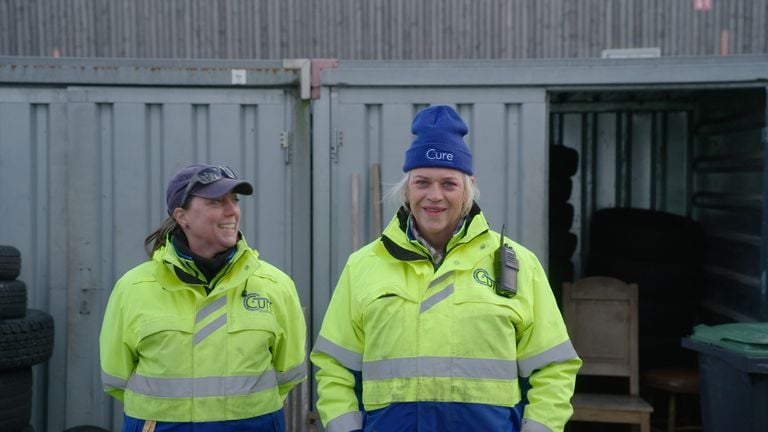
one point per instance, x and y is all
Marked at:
(204, 336)
(421, 334)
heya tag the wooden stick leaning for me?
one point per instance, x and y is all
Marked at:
(376, 197)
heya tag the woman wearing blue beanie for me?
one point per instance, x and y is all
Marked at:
(428, 329)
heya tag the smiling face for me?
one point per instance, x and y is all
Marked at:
(210, 224)
(436, 196)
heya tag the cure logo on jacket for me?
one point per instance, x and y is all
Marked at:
(482, 277)
(255, 302)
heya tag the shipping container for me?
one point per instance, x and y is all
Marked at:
(87, 145)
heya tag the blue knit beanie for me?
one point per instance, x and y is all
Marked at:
(439, 141)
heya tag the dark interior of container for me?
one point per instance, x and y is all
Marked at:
(664, 188)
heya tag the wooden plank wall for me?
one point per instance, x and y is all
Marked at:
(378, 29)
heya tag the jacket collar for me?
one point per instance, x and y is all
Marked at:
(177, 268)
(399, 246)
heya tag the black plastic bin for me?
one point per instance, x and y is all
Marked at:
(733, 368)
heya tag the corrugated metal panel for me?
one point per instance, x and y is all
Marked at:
(82, 178)
(377, 29)
(367, 126)
(32, 208)
(729, 199)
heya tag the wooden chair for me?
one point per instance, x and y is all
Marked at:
(601, 315)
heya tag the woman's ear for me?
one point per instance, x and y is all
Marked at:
(180, 216)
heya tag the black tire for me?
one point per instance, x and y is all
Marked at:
(646, 235)
(560, 190)
(662, 253)
(560, 217)
(10, 262)
(563, 161)
(13, 299)
(26, 341)
(15, 398)
(562, 245)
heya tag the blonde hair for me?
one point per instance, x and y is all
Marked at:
(398, 193)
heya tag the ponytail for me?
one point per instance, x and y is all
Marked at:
(157, 238)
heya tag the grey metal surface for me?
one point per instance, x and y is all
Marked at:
(33, 216)
(378, 29)
(82, 183)
(557, 73)
(356, 127)
(147, 72)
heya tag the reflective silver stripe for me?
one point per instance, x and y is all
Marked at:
(560, 353)
(211, 308)
(440, 279)
(210, 328)
(436, 298)
(293, 374)
(202, 387)
(534, 426)
(111, 381)
(346, 422)
(348, 359)
(440, 367)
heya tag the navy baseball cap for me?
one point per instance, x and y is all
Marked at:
(203, 180)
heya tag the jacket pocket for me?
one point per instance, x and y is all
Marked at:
(251, 343)
(165, 347)
(389, 320)
(486, 324)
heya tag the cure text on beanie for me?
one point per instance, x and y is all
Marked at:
(439, 141)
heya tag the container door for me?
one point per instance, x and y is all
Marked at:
(33, 184)
(83, 179)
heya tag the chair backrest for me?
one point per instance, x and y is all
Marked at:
(601, 315)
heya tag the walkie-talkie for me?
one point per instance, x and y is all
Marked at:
(507, 267)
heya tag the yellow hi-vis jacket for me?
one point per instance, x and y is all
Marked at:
(416, 333)
(172, 353)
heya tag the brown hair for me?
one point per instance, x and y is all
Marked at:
(157, 238)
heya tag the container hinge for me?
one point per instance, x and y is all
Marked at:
(336, 143)
(285, 144)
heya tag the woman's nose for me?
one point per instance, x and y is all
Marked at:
(231, 205)
(434, 193)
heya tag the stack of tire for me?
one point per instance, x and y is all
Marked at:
(26, 339)
(563, 164)
(662, 253)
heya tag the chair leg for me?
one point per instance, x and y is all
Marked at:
(645, 425)
(671, 413)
